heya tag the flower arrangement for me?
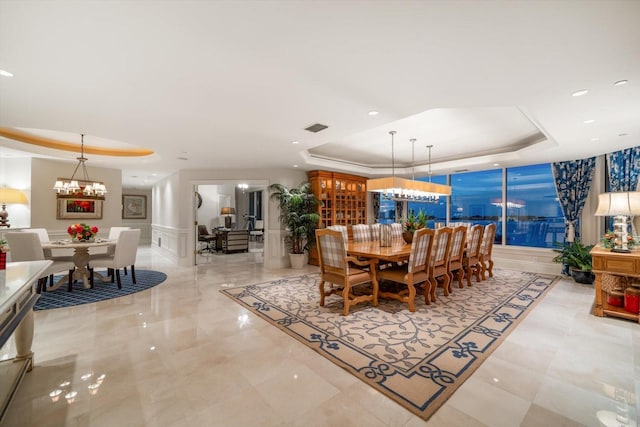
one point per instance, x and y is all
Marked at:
(82, 232)
(609, 240)
(415, 222)
(3, 246)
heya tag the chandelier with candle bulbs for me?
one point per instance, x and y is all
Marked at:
(72, 187)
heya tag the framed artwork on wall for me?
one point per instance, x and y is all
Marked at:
(134, 206)
(79, 208)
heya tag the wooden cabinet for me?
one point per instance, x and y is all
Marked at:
(343, 197)
(621, 264)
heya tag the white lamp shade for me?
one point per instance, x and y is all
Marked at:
(625, 203)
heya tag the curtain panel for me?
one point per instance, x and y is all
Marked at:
(573, 181)
(623, 168)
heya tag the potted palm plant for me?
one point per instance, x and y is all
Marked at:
(299, 215)
(577, 257)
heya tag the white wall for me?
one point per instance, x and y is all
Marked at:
(143, 224)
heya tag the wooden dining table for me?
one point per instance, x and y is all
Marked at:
(397, 252)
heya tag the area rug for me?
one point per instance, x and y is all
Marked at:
(60, 298)
(417, 359)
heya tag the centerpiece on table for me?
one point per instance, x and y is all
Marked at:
(82, 232)
(413, 223)
(609, 240)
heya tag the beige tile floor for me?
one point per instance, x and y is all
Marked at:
(183, 354)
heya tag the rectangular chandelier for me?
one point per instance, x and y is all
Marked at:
(401, 189)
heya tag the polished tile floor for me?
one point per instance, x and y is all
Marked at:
(183, 354)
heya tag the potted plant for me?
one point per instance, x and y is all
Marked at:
(299, 214)
(577, 257)
(413, 223)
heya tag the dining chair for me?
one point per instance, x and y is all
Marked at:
(439, 263)
(27, 247)
(412, 273)
(458, 243)
(485, 250)
(338, 269)
(471, 260)
(258, 230)
(396, 232)
(361, 233)
(375, 232)
(124, 256)
(43, 234)
(342, 229)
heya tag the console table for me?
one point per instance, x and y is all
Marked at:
(621, 264)
(230, 241)
(17, 298)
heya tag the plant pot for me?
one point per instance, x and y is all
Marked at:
(581, 276)
(297, 261)
(407, 236)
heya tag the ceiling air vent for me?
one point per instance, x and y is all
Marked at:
(461, 170)
(316, 128)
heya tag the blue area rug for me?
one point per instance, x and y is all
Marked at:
(417, 359)
(101, 291)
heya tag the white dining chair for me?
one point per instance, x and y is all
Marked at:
(124, 256)
(43, 234)
(27, 247)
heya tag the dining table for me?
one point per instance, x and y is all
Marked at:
(399, 251)
(81, 259)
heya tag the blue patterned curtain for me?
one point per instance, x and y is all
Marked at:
(573, 181)
(623, 169)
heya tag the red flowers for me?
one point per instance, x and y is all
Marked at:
(82, 231)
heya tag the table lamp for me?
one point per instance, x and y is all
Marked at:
(9, 196)
(620, 206)
(227, 211)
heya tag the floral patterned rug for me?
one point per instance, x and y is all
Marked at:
(417, 359)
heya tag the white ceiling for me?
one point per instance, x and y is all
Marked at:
(232, 84)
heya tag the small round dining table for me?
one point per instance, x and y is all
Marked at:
(81, 259)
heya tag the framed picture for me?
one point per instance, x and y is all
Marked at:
(79, 208)
(134, 206)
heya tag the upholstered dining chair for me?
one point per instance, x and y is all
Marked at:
(338, 269)
(485, 250)
(361, 233)
(439, 263)
(458, 243)
(342, 229)
(124, 256)
(471, 260)
(258, 230)
(27, 247)
(396, 232)
(413, 272)
(43, 234)
(375, 232)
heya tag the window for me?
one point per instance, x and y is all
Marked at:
(387, 213)
(534, 217)
(436, 212)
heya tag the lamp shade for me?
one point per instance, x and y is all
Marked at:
(227, 211)
(12, 196)
(625, 203)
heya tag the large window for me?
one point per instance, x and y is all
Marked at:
(534, 217)
(436, 212)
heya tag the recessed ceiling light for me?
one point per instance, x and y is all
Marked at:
(373, 113)
(580, 92)
(623, 134)
(595, 139)
(295, 166)
(496, 164)
(621, 82)
(295, 142)
(5, 73)
(588, 122)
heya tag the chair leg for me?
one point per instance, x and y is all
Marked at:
(70, 285)
(133, 273)
(321, 286)
(91, 278)
(125, 273)
(111, 273)
(41, 284)
(118, 278)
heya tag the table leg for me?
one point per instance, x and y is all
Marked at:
(24, 338)
(81, 260)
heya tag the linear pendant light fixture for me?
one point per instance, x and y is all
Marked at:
(71, 188)
(407, 190)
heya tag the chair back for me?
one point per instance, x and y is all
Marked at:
(361, 233)
(375, 232)
(487, 239)
(475, 241)
(126, 248)
(331, 250)
(458, 241)
(202, 230)
(421, 247)
(259, 224)
(342, 229)
(24, 246)
(42, 233)
(441, 250)
(396, 232)
(114, 232)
